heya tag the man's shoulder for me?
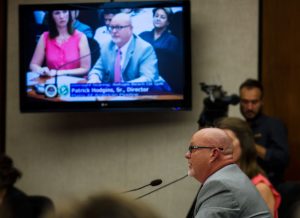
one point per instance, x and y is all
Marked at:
(146, 34)
(79, 24)
(230, 189)
(141, 42)
(227, 173)
(230, 178)
(270, 120)
(219, 191)
(108, 46)
(15, 194)
(101, 28)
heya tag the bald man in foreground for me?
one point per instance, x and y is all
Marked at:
(226, 191)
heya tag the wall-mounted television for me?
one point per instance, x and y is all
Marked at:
(105, 56)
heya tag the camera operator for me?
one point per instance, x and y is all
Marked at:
(270, 134)
(215, 105)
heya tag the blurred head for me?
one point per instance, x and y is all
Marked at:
(244, 153)
(8, 173)
(161, 17)
(107, 19)
(115, 206)
(109, 205)
(251, 98)
(236, 145)
(107, 15)
(74, 14)
(210, 149)
(120, 29)
(58, 19)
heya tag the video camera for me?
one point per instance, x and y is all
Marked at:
(215, 104)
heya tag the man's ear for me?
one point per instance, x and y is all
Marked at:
(214, 154)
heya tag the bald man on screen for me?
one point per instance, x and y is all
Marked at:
(138, 61)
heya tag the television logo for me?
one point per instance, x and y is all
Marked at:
(63, 90)
(50, 91)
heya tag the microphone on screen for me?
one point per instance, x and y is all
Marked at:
(170, 183)
(155, 182)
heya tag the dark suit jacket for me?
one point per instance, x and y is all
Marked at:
(140, 64)
(16, 204)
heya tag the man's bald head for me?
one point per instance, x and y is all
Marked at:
(214, 137)
(122, 17)
(210, 150)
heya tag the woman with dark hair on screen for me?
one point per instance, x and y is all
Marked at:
(64, 49)
(160, 37)
(244, 154)
(13, 202)
(166, 47)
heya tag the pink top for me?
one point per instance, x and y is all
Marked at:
(262, 179)
(65, 55)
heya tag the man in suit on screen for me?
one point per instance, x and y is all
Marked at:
(126, 58)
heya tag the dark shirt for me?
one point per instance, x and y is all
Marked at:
(168, 53)
(16, 204)
(166, 41)
(272, 134)
(190, 213)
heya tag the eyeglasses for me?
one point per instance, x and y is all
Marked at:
(194, 147)
(117, 28)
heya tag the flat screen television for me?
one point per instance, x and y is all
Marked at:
(105, 56)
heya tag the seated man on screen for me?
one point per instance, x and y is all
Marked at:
(225, 190)
(126, 58)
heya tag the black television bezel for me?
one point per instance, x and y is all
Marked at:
(28, 104)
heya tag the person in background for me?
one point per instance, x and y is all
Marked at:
(166, 47)
(14, 203)
(87, 30)
(160, 37)
(102, 34)
(225, 190)
(270, 134)
(126, 58)
(140, 18)
(108, 205)
(244, 154)
(64, 50)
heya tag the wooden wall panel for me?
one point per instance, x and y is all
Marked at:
(2, 72)
(280, 71)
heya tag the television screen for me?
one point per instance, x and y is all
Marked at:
(105, 56)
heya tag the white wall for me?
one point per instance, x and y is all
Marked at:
(66, 155)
